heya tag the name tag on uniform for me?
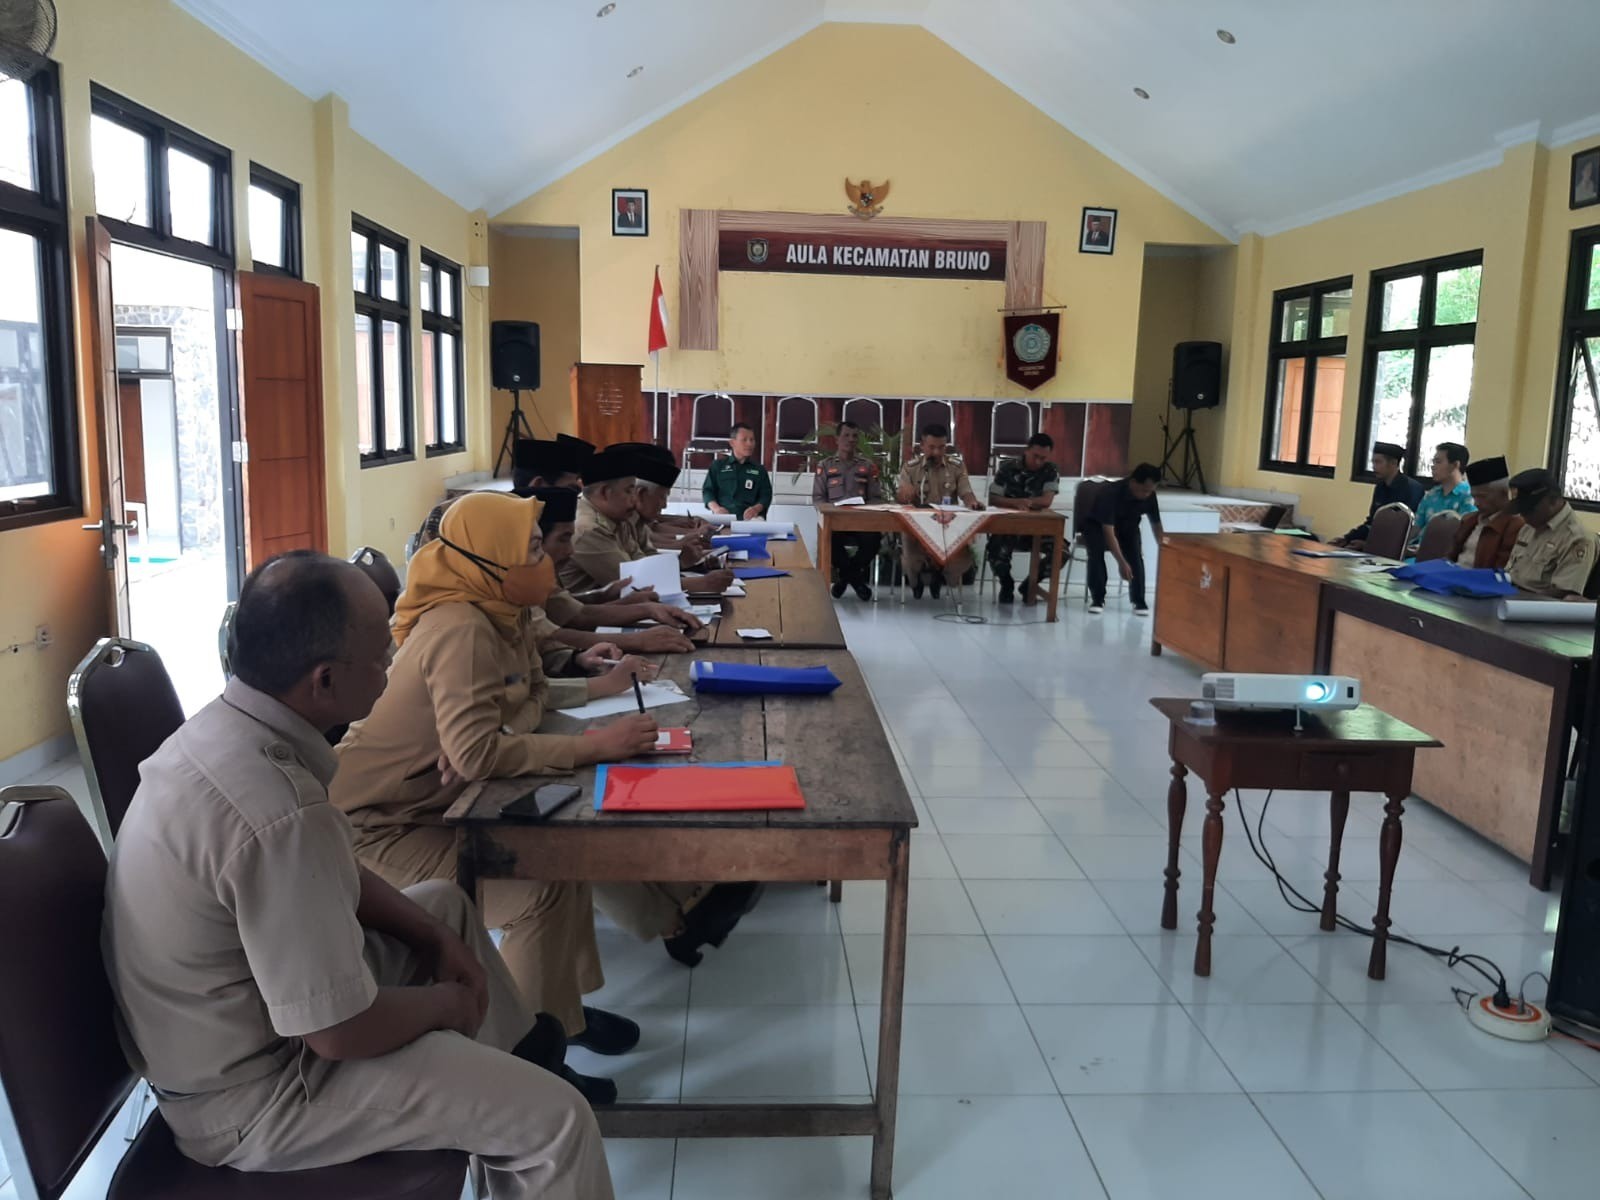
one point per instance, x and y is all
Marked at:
(749, 483)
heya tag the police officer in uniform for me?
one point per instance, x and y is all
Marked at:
(1554, 554)
(847, 476)
(1027, 484)
(737, 483)
(290, 1009)
(935, 476)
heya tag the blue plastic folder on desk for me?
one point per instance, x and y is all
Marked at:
(755, 679)
(696, 787)
(1444, 578)
(755, 544)
(758, 572)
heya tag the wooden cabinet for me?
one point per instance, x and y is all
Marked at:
(1192, 601)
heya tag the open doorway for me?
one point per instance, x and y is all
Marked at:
(176, 460)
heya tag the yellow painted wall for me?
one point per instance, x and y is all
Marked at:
(536, 279)
(880, 101)
(154, 54)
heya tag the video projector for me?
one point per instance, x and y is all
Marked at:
(1271, 693)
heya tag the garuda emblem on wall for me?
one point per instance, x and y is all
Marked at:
(866, 197)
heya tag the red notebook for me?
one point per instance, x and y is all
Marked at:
(697, 787)
(673, 741)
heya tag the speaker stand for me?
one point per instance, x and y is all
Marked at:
(1191, 471)
(516, 427)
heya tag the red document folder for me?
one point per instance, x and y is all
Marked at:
(698, 787)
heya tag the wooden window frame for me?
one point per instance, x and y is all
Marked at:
(1311, 349)
(1423, 340)
(377, 309)
(435, 322)
(1578, 322)
(288, 193)
(43, 215)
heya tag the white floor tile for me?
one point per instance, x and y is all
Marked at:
(997, 814)
(1126, 1049)
(1338, 961)
(1477, 859)
(1137, 905)
(1049, 756)
(773, 1051)
(1445, 910)
(930, 859)
(773, 1168)
(1000, 856)
(968, 781)
(641, 1168)
(1537, 910)
(1545, 1140)
(1299, 1048)
(1113, 814)
(1244, 970)
(1585, 1058)
(962, 1050)
(652, 1070)
(773, 968)
(1358, 860)
(1020, 906)
(1193, 1147)
(1083, 969)
(1364, 1145)
(1266, 906)
(792, 908)
(638, 973)
(1124, 857)
(940, 969)
(1442, 1051)
(950, 1148)
(933, 906)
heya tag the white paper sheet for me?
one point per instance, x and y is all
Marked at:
(756, 634)
(659, 571)
(734, 591)
(784, 529)
(739, 555)
(655, 696)
(1566, 612)
(711, 518)
(848, 501)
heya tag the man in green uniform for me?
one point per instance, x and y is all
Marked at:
(848, 476)
(1554, 554)
(738, 484)
(935, 476)
(1025, 484)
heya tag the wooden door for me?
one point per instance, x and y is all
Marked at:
(102, 372)
(285, 497)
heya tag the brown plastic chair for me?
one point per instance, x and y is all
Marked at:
(123, 706)
(376, 566)
(62, 1072)
(1390, 532)
(1439, 536)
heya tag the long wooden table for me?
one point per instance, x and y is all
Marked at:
(1037, 526)
(795, 608)
(856, 825)
(1501, 696)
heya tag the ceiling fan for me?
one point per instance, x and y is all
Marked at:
(27, 32)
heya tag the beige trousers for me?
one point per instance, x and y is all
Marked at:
(533, 1134)
(548, 941)
(648, 910)
(914, 560)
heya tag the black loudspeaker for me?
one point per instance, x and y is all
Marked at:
(1196, 375)
(514, 355)
(1575, 972)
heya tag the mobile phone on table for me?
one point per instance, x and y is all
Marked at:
(542, 801)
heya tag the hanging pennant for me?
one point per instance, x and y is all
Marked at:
(1031, 348)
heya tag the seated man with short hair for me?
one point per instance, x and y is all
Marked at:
(1554, 554)
(1486, 535)
(737, 483)
(290, 1009)
(1450, 491)
(847, 475)
(1394, 486)
(1026, 484)
(935, 476)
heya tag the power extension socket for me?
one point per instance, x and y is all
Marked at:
(1531, 1024)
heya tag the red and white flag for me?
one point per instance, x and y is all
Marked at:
(658, 317)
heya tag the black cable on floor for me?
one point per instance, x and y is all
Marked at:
(1451, 958)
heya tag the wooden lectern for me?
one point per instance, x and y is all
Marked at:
(608, 403)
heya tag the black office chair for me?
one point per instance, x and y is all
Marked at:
(62, 1072)
(376, 566)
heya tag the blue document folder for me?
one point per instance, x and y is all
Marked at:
(756, 679)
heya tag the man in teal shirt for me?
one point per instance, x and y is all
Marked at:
(1451, 491)
(738, 484)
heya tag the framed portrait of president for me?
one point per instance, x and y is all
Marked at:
(1098, 233)
(630, 212)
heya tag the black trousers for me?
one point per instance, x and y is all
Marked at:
(856, 567)
(1094, 538)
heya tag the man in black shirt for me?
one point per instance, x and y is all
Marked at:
(1394, 486)
(1113, 524)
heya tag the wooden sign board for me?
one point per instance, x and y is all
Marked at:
(608, 403)
(902, 255)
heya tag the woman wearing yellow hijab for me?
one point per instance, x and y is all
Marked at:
(466, 695)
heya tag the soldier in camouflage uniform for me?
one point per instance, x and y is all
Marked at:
(1026, 484)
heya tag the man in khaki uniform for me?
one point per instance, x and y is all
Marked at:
(934, 476)
(290, 1009)
(847, 476)
(1554, 554)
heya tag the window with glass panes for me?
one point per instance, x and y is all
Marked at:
(378, 264)
(443, 407)
(1416, 382)
(39, 468)
(1305, 378)
(274, 222)
(159, 185)
(1575, 452)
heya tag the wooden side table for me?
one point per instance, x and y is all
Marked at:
(1359, 750)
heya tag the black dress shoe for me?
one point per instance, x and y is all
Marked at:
(711, 921)
(916, 590)
(863, 592)
(596, 1089)
(838, 589)
(936, 586)
(606, 1033)
(1008, 591)
(545, 1045)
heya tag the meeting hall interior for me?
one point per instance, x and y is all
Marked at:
(1060, 537)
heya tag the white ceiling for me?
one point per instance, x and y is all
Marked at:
(1322, 105)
